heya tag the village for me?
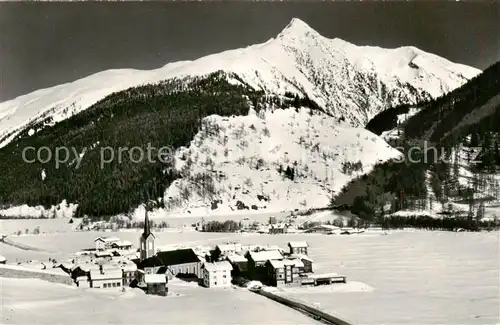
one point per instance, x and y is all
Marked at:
(113, 263)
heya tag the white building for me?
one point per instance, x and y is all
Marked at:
(217, 274)
(101, 278)
(102, 243)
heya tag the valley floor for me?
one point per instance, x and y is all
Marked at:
(405, 277)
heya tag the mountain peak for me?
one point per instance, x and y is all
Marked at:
(297, 27)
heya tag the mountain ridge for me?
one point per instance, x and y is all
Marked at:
(351, 87)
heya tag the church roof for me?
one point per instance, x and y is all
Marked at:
(179, 256)
(153, 261)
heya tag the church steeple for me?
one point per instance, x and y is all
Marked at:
(147, 230)
(147, 240)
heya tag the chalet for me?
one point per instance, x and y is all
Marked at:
(155, 284)
(278, 229)
(256, 263)
(306, 260)
(298, 247)
(101, 278)
(122, 245)
(102, 243)
(217, 274)
(238, 262)
(226, 249)
(284, 273)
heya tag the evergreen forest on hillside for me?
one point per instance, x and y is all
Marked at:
(167, 114)
(466, 117)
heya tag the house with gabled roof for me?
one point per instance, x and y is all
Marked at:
(256, 269)
(285, 272)
(217, 274)
(298, 247)
(102, 243)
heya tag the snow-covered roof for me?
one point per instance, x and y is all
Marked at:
(2, 258)
(298, 244)
(218, 266)
(107, 274)
(155, 278)
(266, 255)
(107, 239)
(281, 264)
(103, 254)
(229, 247)
(129, 267)
(235, 258)
(123, 243)
(302, 257)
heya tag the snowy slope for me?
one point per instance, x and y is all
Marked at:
(241, 156)
(351, 82)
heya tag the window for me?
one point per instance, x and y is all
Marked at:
(117, 284)
(105, 285)
(114, 284)
(224, 276)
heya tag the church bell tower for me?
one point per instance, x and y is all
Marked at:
(147, 241)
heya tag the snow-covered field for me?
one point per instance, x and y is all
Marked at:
(38, 302)
(406, 277)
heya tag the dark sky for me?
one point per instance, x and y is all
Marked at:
(45, 44)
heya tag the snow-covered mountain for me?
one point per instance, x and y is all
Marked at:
(352, 83)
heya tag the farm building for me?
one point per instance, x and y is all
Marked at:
(298, 247)
(217, 274)
(102, 243)
(122, 245)
(155, 284)
(101, 278)
(285, 272)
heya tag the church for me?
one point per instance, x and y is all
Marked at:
(176, 263)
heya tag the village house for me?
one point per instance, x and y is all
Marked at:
(256, 263)
(277, 229)
(217, 274)
(226, 249)
(298, 247)
(306, 260)
(122, 245)
(129, 273)
(110, 278)
(284, 273)
(102, 243)
(239, 264)
(155, 284)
